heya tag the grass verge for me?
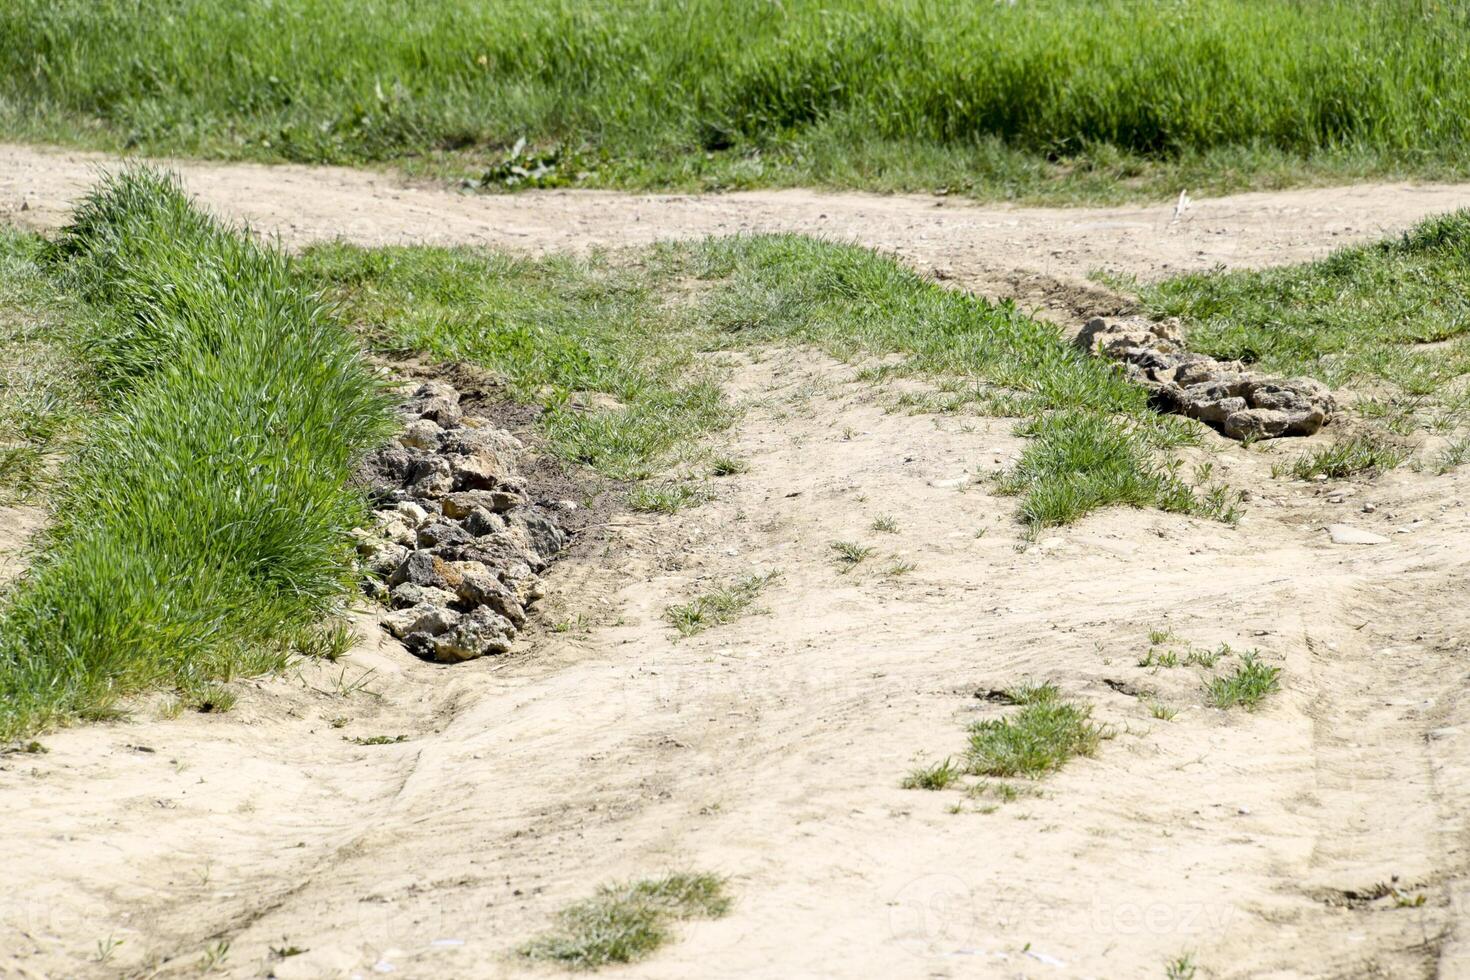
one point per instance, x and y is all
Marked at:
(201, 530)
(625, 922)
(621, 354)
(1047, 99)
(719, 606)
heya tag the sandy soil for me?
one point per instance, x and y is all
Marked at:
(771, 749)
(1038, 255)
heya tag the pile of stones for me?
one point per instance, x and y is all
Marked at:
(1223, 394)
(457, 544)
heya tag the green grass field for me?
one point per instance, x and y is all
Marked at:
(1038, 99)
(200, 528)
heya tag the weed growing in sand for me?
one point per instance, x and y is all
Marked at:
(666, 498)
(935, 777)
(203, 522)
(1363, 453)
(328, 641)
(1245, 686)
(719, 606)
(1040, 738)
(1454, 454)
(849, 554)
(884, 524)
(107, 947)
(899, 567)
(377, 739)
(343, 687)
(1159, 710)
(214, 957)
(212, 699)
(727, 466)
(1157, 658)
(1181, 967)
(1206, 658)
(625, 922)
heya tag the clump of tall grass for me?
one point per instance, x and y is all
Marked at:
(201, 528)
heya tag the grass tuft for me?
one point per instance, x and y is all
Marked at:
(1244, 687)
(205, 516)
(1038, 739)
(1363, 453)
(213, 699)
(625, 922)
(850, 554)
(666, 498)
(1181, 967)
(727, 466)
(720, 606)
(935, 777)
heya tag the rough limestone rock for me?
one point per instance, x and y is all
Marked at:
(421, 434)
(435, 401)
(422, 618)
(409, 594)
(482, 631)
(457, 540)
(1223, 394)
(418, 568)
(460, 505)
(480, 521)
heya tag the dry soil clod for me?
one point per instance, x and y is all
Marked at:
(457, 540)
(1222, 394)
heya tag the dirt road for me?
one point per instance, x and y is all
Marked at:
(771, 749)
(1000, 251)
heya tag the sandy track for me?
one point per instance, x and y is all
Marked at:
(1000, 251)
(771, 749)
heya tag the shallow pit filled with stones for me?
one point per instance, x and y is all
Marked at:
(457, 544)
